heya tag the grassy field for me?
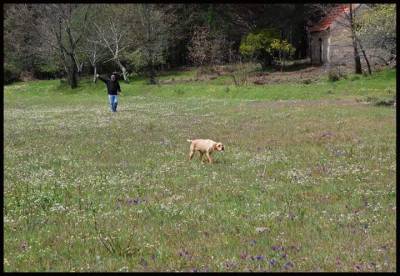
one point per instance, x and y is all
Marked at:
(306, 183)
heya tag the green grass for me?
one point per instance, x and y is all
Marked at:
(87, 190)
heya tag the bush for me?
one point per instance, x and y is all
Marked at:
(45, 71)
(11, 73)
(205, 70)
(381, 101)
(335, 75)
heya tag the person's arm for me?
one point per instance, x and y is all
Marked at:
(104, 80)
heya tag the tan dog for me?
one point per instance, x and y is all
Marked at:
(204, 146)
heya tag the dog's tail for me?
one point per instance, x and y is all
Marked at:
(189, 140)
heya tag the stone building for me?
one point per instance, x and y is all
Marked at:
(330, 41)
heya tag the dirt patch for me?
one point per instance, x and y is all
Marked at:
(303, 103)
(305, 75)
(27, 76)
(199, 78)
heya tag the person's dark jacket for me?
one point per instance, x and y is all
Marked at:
(112, 86)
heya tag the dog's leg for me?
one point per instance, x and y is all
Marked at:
(191, 153)
(209, 157)
(201, 156)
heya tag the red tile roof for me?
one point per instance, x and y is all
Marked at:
(326, 22)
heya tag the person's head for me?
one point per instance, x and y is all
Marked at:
(113, 78)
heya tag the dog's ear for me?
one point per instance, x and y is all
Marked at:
(215, 147)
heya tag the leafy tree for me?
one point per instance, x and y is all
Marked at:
(281, 50)
(21, 41)
(257, 45)
(376, 29)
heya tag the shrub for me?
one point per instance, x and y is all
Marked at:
(205, 70)
(46, 71)
(335, 75)
(257, 45)
(10, 74)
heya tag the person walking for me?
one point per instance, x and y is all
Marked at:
(113, 90)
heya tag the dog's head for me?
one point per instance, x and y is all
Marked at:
(219, 147)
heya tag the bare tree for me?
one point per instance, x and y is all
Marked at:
(94, 54)
(113, 35)
(200, 46)
(62, 27)
(207, 48)
(151, 37)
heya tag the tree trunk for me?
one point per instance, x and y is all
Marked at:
(80, 69)
(94, 74)
(357, 60)
(72, 73)
(365, 57)
(124, 74)
(72, 77)
(123, 69)
(152, 74)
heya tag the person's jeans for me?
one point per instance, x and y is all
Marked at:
(113, 100)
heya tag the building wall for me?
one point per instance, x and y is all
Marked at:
(337, 44)
(341, 45)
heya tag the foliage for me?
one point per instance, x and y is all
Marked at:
(207, 47)
(11, 73)
(376, 27)
(335, 74)
(180, 35)
(258, 45)
(282, 46)
(281, 50)
(151, 37)
(22, 41)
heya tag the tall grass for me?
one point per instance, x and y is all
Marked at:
(304, 185)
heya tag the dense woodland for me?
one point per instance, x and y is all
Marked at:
(72, 40)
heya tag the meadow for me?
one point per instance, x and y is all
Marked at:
(307, 181)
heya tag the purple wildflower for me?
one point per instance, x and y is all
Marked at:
(136, 201)
(260, 258)
(288, 265)
(143, 262)
(277, 248)
(272, 262)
